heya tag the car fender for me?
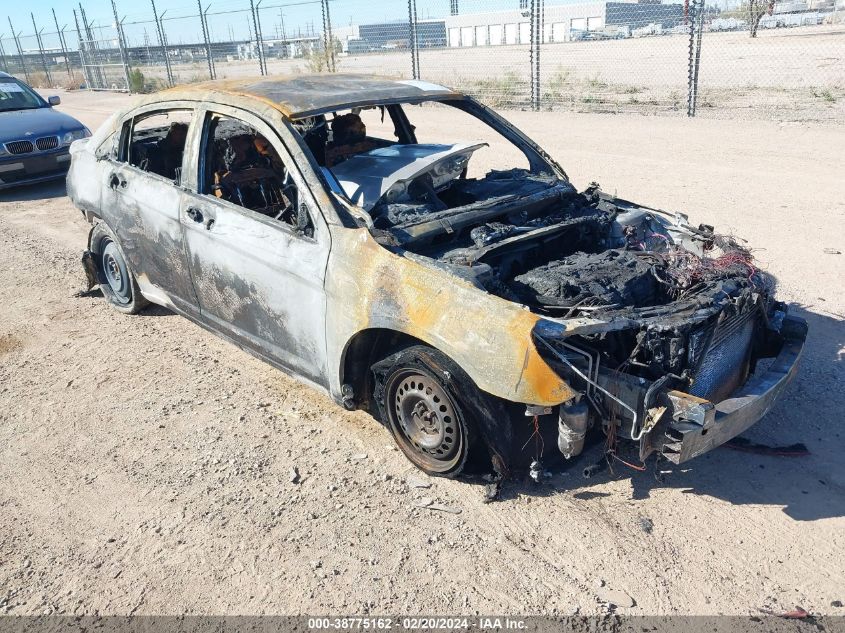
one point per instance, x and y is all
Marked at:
(369, 286)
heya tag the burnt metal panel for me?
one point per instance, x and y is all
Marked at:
(301, 95)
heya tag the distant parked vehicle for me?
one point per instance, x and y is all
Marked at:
(34, 138)
(649, 29)
(728, 24)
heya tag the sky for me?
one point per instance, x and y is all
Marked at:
(228, 19)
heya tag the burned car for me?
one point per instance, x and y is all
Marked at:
(462, 291)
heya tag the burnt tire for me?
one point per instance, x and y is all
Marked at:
(116, 280)
(419, 394)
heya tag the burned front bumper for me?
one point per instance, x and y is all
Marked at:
(692, 426)
(673, 423)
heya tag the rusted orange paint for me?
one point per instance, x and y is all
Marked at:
(489, 337)
(537, 377)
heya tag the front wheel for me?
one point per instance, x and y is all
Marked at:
(117, 282)
(418, 402)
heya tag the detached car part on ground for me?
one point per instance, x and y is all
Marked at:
(450, 307)
(34, 139)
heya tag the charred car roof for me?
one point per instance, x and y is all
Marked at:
(299, 96)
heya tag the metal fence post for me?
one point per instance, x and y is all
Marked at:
(124, 59)
(91, 46)
(85, 71)
(415, 44)
(3, 54)
(691, 61)
(328, 38)
(162, 45)
(20, 50)
(697, 56)
(61, 34)
(41, 50)
(211, 74)
(536, 31)
(259, 37)
(208, 39)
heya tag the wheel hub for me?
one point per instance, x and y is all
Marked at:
(426, 415)
(427, 429)
(115, 272)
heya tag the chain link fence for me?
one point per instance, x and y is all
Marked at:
(779, 59)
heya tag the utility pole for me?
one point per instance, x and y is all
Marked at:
(285, 46)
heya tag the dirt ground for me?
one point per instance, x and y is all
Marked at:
(145, 463)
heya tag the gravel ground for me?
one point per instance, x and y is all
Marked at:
(146, 463)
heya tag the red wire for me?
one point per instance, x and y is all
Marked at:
(640, 468)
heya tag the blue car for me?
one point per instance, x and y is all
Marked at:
(34, 138)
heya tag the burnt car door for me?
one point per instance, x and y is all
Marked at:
(141, 200)
(256, 242)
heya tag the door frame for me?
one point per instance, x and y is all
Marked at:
(193, 183)
(117, 162)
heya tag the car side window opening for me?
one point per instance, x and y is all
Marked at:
(242, 167)
(157, 142)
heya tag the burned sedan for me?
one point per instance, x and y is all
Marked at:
(459, 288)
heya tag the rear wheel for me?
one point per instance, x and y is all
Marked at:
(418, 402)
(117, 282)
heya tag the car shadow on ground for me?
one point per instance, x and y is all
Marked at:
(154, 310)
(808, 487)
(39, 191)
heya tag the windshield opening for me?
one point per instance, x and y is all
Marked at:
(404, 164)
(16, 95)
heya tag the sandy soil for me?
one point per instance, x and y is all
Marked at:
(145, 463)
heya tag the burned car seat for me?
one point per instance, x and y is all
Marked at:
(349, 137)
(160, 150)
(247, 178)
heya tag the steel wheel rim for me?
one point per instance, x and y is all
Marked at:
(114, 270)
(425, 420)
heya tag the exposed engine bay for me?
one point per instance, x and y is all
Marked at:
(643, 293)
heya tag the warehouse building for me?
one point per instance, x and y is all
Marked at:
(561, 23)
(366, 38)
